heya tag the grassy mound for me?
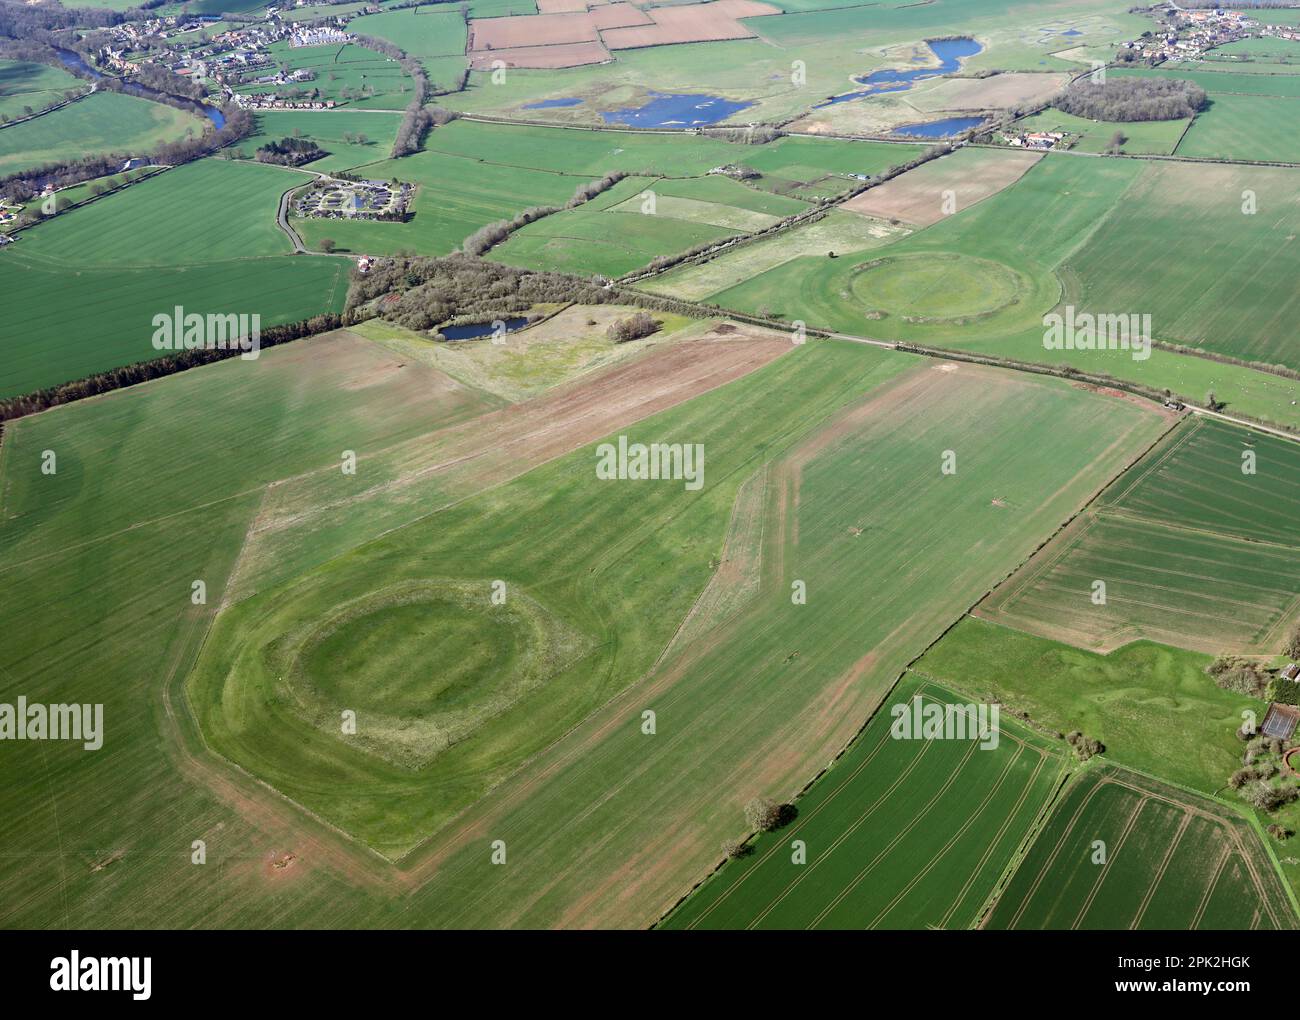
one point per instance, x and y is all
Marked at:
(929, 287)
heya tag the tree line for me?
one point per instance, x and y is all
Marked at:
(487, 237)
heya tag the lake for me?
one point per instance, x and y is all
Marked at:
(939, 128)
(551, 104)
(676, 110)
(949, 52)
(480, 330)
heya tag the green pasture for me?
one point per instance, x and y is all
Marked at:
(48, 339)
(838, 231)
(639, 220)
(1244, 128)
(349, 74)
(206, 211)
(1214, 80)
(1152, 706)
(1230, 291)
(435, 35)
(104, 122)
(25, 84)
(327, 129)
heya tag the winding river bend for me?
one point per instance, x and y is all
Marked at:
(77, 62)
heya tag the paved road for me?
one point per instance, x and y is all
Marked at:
(282, 221)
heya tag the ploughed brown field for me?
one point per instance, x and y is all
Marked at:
(566, 33)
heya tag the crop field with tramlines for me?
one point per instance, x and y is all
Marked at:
(705, 465)
(1192, 549)
(1123, 850)
(900, 833)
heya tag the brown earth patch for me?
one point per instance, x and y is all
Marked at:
(107, 861)
(691, 23)
(566, 6)
(508, 442)
(567, 33)
(1001, 91)
(917, 197)
(530, 30)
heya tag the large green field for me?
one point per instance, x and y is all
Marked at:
(597, 238)
(641, 219)
(207, 211)
(202, 236)
(837, 231)
(1173, 860)
(1244, 128)
(349, 74)
(1230, 290)
(104, 122)
(433, 34)
(787, 161)
(752, 672)
(900, 833)
(1192, 550)
(371, 135)
(1221, 81)
(50, 340)
(24, 85)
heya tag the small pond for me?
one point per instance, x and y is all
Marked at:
(480, 330)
